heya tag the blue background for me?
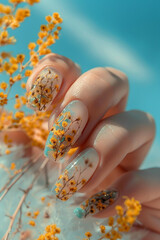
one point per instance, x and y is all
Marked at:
(122, 34)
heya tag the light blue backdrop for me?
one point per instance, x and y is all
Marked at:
(123, 34)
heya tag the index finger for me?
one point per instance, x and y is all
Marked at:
(50, 80)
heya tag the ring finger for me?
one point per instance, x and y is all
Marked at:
(111, 142)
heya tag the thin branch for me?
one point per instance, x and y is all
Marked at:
(46, 176)
(5, 237)
(2, 109)
(19, 222)
(23, 198)
(6, 188)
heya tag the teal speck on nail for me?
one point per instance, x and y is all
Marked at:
(79, 212)
(46, 150)
(53, 190)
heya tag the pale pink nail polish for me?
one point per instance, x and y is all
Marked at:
(76, 174)
(44, 89)
(66, 129)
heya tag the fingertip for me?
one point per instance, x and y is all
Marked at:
(117, 72)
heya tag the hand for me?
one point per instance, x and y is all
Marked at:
(88, 112)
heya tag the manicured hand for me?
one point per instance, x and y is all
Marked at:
(88, 112)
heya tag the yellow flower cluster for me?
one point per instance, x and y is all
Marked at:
(88, 234)
(7, 151)
(5, 9)
(32, 125)
(70, 185)
(32, 223)
(20, 16)
(50, 233)
(47, 36)
(12, 16)
(34, 215)
(20, 101)
(42, 199)
(3, 99)
(122, 222)
(72, 151)
(132, 210)
(7, 141)
(13, 166)
(31, 2)
(3, 86)
(11, 66)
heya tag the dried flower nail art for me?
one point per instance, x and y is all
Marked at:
(44, 89)
(76, 174)
(96, 203)
(66, 130)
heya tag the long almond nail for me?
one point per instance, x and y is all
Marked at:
(44, 89)
(66, 130)
(77, 173)
(96, 203)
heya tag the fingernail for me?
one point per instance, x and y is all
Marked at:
(76, 174)
(96, 203)
(66, 129)
(44, 89)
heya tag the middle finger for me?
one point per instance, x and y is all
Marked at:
(84, 105)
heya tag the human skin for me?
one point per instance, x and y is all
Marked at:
(119, 139)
